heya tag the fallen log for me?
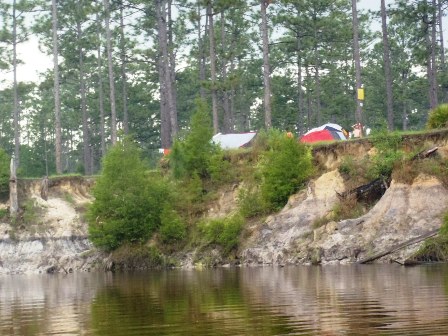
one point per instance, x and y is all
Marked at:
(398, 247)
(424, 154)
(368, 192)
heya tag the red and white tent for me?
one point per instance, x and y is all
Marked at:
(327, 132)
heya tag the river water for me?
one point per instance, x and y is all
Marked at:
(327, 300)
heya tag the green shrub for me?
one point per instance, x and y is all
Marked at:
(224, 232)
(389, 153)
(438, 117)
(251, 203)
(136, 256)
(128, 202)
(4, 172)
(347, 166)
(189, 195)
(31, 212)
(435, 248)
(220, 169)
(444, 228)
(285, 167)
(192, 154)
(172, 228)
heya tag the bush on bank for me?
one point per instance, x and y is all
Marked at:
(285, 167)
(128, 201)
(438, 117)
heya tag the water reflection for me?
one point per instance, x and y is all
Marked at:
(331, 300)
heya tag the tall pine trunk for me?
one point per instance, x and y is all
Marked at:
(318, 90)
(57, 99)
(442, 43)
(433, 78)
(201, 53)
(225, 93)
(172, 61)
(442, 47)
(357, 59)
(387, 68)
(110, 64)
(124, 89)
(82, 91)
(168, 112)
(15, 88)
(266, 66)
(211, 35)
(100, 90)
(300, 107)
(165, 125)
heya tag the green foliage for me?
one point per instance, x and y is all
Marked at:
(3, 213)
(189, 195)
(347, 165)
(284, 168)
(136, 256)
(224, 232)
(192, 155)
(128, 202)
(219, 168)
(251, 203)
(30, 212)
(444, 227)
(4, 172)
(388, 146)
(172, 228)
(436, 248)
(438, 117)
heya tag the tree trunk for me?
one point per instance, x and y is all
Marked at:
(433, 78)
(318, 103)
(442, 43)
(232, 86)
(57, 100)
(225, 93)
(357, 59)
(172, 63)
(442, 48)
(165, 128)
(111, 73)
(309, 122)
(15, 88)
(100, 91)
(13, 199)
(404, 84)
(167, 113)
(124, 90)
(387, 68)
(201, 56)
(211, 33)
(300, 106)
(85, 117)
(266, 66)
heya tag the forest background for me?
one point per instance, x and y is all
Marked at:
(136, 67)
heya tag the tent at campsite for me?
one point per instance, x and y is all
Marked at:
(327, 132)
(234, 140)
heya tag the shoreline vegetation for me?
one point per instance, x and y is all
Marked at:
(188, 182)
(146, 218)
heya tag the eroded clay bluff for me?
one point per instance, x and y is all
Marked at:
(53, 236)
(404, 212)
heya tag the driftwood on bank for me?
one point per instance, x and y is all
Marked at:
(425, 154)
(399, 247)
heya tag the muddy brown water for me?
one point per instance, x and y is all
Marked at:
(327, 300)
